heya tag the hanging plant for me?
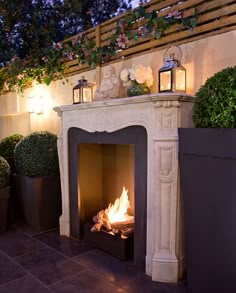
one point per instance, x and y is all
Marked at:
(50, 63)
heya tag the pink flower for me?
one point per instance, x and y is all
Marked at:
(20, 76)
(69, 55)
(57, 46)
(14, 59)
(16, 87)
(6, 86)
(175, 14)
(75, 41)
(142, 30)
(122, 41)
(86, 53)
(45, 59)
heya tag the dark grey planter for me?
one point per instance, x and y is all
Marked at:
(11, 163)
(4, 198)
(13, 204)
(208, 182)
(40, 200)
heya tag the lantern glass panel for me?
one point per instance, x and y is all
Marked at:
(165, 81)
(76, 95)
(87, 94)
(180, 79)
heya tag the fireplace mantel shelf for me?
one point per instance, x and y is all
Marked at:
(160, 97)
(160, 115)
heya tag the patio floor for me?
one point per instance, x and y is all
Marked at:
(46, 262)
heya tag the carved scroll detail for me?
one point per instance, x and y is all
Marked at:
(166, 160)
(167, 104)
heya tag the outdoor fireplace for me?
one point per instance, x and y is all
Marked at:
(130, 142)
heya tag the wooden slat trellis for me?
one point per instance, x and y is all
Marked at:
(214, 17)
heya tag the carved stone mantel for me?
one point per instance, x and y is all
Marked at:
(161, 115)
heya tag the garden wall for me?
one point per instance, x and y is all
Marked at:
(202, 58)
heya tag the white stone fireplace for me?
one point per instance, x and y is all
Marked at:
(160, 115)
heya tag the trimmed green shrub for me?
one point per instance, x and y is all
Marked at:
(215, 101)
(7, 145)
(4, 173)
(36, 155)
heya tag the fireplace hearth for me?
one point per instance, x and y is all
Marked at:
(94, 142)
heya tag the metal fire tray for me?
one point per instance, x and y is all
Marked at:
(121, 248)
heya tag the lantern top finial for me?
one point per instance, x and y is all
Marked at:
(174, 54)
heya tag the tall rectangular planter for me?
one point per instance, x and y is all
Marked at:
(4, 198)
(208, 182)
(40, 200)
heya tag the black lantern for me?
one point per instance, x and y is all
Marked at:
(172, 75)
(83, 91)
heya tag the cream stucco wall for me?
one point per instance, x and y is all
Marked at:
(201, 58)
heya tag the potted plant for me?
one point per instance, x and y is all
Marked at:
(207, 169)
(37, 180)
(7, 147)
(4, 192)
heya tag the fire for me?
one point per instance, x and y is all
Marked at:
(117, 212)
(115, 218)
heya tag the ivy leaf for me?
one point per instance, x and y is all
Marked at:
(158, 34)
(148, 15)
(135, 37)
(137, 15)
(149, 26)
(154, 14)
(141, 11)
(128, 34)
(47, 79)
(93, 57)
(193, 22)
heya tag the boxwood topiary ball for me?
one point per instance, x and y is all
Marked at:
(7, 145)
(4, 173)
(36, 155)
(215, 101)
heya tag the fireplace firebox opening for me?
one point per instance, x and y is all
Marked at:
(109, 169)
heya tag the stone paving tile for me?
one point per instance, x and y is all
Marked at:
(86, 282)
(67, 246)
(48, 266)
(27, 284)
(14, 243)
(46, 262)
(9, 270)
(145, 284)
(110, 268)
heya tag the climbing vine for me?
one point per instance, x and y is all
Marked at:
(50, 63)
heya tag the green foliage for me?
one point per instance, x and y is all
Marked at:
(45, 64)
(4, 173)
(215, 101)
(102, 10)
(7, 145)
(36, 155)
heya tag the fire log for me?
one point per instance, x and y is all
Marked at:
(123, 225)
(101, 219)
(97, 227)
(127, 232)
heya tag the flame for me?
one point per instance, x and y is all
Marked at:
(117, 212)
